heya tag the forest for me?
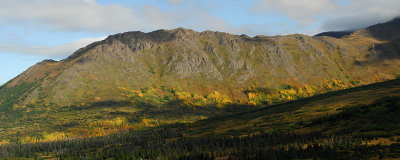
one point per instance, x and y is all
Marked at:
(168, 143)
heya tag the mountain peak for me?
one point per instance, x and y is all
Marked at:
(397, 20)
(47, 61)
(182, 30)
(384, 31)
(335, 34)
(158, 36)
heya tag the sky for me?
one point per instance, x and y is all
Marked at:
(34, 30)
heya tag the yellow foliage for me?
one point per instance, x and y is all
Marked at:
(17, 107)
(278, 95)
(301, 92)
(291, 92)
(81, 104)
(218, 98)
(29, 139)
(147, 122)
(122, 88)
(183, 95)
(334, 84)
(198, 100)
(338, 83)
(136, 93)
(214, 94)
(251, 95)
(288, 94)
(251, 103)
(114, 122)
(4, 142)
(226, 100)
(55, 136)
(309, 90)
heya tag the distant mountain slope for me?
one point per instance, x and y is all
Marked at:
(334, 34)
(384, 31)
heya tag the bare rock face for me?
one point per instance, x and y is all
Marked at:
(213, 61)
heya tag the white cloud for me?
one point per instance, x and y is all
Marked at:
(363, 13)
(303, 11)
(334, 14)
(175, 2)
(54, 51)
(73, 15)
(88, 15)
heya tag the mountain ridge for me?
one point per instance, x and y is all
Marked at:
(214, 54)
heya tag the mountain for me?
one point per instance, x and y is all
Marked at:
(136, 80)
(334, 34)
(212, 61)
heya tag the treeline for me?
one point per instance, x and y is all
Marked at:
(170, 144)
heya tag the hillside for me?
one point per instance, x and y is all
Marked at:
(356, 123)
(137, 80)
(364, 111)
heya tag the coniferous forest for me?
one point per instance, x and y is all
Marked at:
(169, 144)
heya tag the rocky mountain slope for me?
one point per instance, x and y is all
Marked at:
(213, 61)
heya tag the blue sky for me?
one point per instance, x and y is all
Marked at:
(34, 30)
